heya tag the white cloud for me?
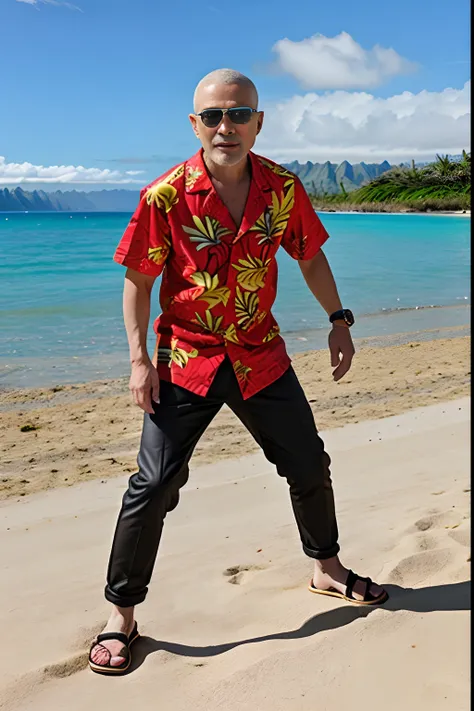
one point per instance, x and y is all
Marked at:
(51, 2)
(339, 62)
(22, 173)
(358, 126)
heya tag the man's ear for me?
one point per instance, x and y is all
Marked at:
(194, 124)
(260, 122)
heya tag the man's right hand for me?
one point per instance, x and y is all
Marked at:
(144, 385)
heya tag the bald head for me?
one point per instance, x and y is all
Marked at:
(224, 76)
(228, 143)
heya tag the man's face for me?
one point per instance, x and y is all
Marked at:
(228, 143)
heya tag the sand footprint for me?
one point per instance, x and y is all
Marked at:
(428, 547)
(445, 519)
(429, 530)
(426, 542)
(461, 536)
(239, 573)
(419, 567)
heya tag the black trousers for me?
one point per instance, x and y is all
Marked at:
(279, 418)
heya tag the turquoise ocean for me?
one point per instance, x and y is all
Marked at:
(61, 292)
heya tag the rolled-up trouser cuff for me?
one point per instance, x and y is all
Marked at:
(322, 555)
(122, 601)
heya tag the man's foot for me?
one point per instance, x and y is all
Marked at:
(331, 574)
(118, 622)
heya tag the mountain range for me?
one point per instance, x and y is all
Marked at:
(326, 178)
(318, 178)
(19, 200)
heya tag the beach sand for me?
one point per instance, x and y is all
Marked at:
(75, 433)
(229, 623)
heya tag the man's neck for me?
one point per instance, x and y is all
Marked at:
(228, 175)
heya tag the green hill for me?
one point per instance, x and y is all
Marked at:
(442, 185)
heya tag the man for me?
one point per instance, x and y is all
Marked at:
(214, 224)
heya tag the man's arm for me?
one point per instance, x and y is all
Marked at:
(144, 383)
(320, 280)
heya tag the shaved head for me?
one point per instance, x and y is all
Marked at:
(225, 76)
(228, 143)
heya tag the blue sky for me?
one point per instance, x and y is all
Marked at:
(108, 85)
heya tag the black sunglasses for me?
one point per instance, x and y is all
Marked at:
(238, 114)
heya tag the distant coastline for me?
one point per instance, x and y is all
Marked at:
(442, 186)
(325, 178)
(394, 209)
(21, 201)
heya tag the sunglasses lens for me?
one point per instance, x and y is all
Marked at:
(211, 117)
(240, 115)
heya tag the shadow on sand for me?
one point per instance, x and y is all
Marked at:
(440, 598)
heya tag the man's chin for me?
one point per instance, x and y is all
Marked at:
(232, 158)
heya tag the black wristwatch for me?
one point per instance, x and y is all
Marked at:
(343, 315)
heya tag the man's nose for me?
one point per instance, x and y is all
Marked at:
(226, 126)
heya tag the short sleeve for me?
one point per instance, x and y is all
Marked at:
(146, 242)
(305, 234)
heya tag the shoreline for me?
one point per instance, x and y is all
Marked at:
(392, 326)
(59, 436)
(404, 211)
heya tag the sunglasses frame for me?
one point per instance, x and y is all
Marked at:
(226, 111)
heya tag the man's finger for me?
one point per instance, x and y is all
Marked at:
(342, 368)
(147, 404)
(142, 399)
(155, 392)
(334, 351)
(339, 372)
(146, 407)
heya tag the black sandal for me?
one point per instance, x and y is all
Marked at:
(352, 578)
(124, 652)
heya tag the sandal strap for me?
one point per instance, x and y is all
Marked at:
(119, 636)
(352, 578)
(350, 582)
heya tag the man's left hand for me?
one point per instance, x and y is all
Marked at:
(341, 349)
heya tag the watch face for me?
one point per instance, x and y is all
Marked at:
(344, 314)
(348, 317)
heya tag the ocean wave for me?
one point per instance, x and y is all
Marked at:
(404, 312)
(397, 309)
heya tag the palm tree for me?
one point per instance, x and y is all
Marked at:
(443, 165)
(464, 165)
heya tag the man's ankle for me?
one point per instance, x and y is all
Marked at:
(125, 614)
(331, 566)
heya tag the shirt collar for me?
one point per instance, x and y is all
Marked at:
(197, 177)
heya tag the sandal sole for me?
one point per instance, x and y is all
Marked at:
(378, 601)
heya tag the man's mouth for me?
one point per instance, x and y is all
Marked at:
(226, 145)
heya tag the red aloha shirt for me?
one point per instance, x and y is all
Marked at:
(219, 282)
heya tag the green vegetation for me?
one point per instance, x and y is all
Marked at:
(442, 185)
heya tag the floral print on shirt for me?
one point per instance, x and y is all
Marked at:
(219, 282)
